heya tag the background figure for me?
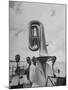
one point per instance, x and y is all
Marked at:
(17, 59)
(28, 69)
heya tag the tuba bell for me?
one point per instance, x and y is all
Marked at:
(34, 35)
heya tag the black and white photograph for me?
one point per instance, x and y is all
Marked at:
(37, 44)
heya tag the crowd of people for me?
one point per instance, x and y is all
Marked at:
(36, 73)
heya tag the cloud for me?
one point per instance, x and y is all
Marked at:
(12, 4)
(16, 31)
(16, 5)
(54, 30)
(18, 8)
(52, 12)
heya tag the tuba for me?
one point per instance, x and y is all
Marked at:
(34, 35)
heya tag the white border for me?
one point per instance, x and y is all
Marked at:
(4, 43)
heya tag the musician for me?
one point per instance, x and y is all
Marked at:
(36, 73)
(39, 73)
(32, 72)
(29, 63)
(17, 58)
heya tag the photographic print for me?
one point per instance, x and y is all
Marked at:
(37, 44)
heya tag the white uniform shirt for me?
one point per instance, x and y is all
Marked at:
(37, 75)
(32, 72)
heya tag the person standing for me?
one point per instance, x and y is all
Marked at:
(28, 69)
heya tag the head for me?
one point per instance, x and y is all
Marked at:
(34, 60)
(28, 60)
(54, 59)
(17, 58)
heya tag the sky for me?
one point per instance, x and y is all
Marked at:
(53, 18)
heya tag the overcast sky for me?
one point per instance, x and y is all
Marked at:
(53, 18)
